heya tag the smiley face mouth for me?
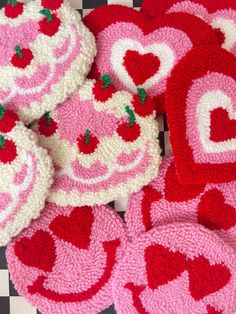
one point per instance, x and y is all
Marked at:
(110, 248)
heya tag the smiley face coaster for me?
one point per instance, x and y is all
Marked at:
(137, 52)
(26, 174)
(103, 143)
(64, 262)
(201, 106)
(179, 267)
(220, 14)
(165, 201)
(45, 54)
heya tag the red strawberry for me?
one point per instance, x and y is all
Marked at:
(13, 8)
(7, 150)
(8, 119)
(129, 131)
(22, 58)
(46, 125)
(50, 24)
(52, 4)
(143, 104)
(87, 143)
(103, 88)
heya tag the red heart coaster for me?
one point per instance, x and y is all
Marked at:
(137, 52)
(208, 83)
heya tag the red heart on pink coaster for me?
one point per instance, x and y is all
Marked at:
(38, 251)
(200, 96)
(205, 278)
(75, 229)
(162, 265)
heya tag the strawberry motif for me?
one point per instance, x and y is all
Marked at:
(13, 9)
(103, 88)
(7, 150)
(52, 5)
(22, 58)
(8, 119)
(143, 104)
(46, 125)
(129, 131)
(87, 143)
(50, 24)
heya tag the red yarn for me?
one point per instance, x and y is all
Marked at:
(52, 4)
(136, 291)
(24, 61)
(8, 153)
(145, 109)
(87, 148)
(50, 28)
(8, 119)
(47, 126)
(129, 133)
(14, 11)
(103, 94)
(212, 310)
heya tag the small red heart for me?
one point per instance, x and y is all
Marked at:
(38, 251)
(141, 66)
(163, 265)
(205, 279)
(214, 213)
(176, 192)
(75, 229)
(212, 310)
(220, 119)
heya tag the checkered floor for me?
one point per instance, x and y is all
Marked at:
(10, 301)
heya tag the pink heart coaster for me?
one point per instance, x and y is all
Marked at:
(103, 144)
(166, 201)
(26, 174)
(45, 54)
(137, 52)
(180, 268)
(64, 262)
(220, 14)
(201, 106)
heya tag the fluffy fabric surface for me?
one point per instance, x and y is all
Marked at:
(26, 174)
(103, 143)
(137, 52)
(177, 267)
(166, 201)
(220, 14)
(45, 54)
(201, 105)
(64, 262)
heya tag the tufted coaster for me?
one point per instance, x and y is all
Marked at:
(220, 14)
(64, 262)
(45, 54)
(137, 52)
(103, 144)
(165, 201)
(177, 267)
(26, 174)
(201, 106)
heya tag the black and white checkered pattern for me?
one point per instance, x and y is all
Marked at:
(10, 301)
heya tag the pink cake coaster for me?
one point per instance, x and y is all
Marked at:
(220, 14)
(64, 262)
(26, 174)
(45, 54)
(103, 144)
(165, 201)
(177, 268)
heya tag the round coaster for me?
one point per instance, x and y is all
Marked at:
(201, 105)
(180, 268)
(65, 261)
(103, 144)
(220, 14)
(26, 174)
(45, 54)
(137, 52)
(165, 201)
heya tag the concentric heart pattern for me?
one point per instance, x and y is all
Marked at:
(67, 258)
(103, 144)
(26, 174)
(137, 52)
(45, 54)
(166, 201)
(176, 268)
(201, 102)
(220, 14)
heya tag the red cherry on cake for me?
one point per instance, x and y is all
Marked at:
(50, 24)
(52, 4)
(22, 58)
(87, 143)
(46, 125)
(142, 103)
(13, 8)
(103, 88)
(129, 131)
(8, 119)
(7, 150)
